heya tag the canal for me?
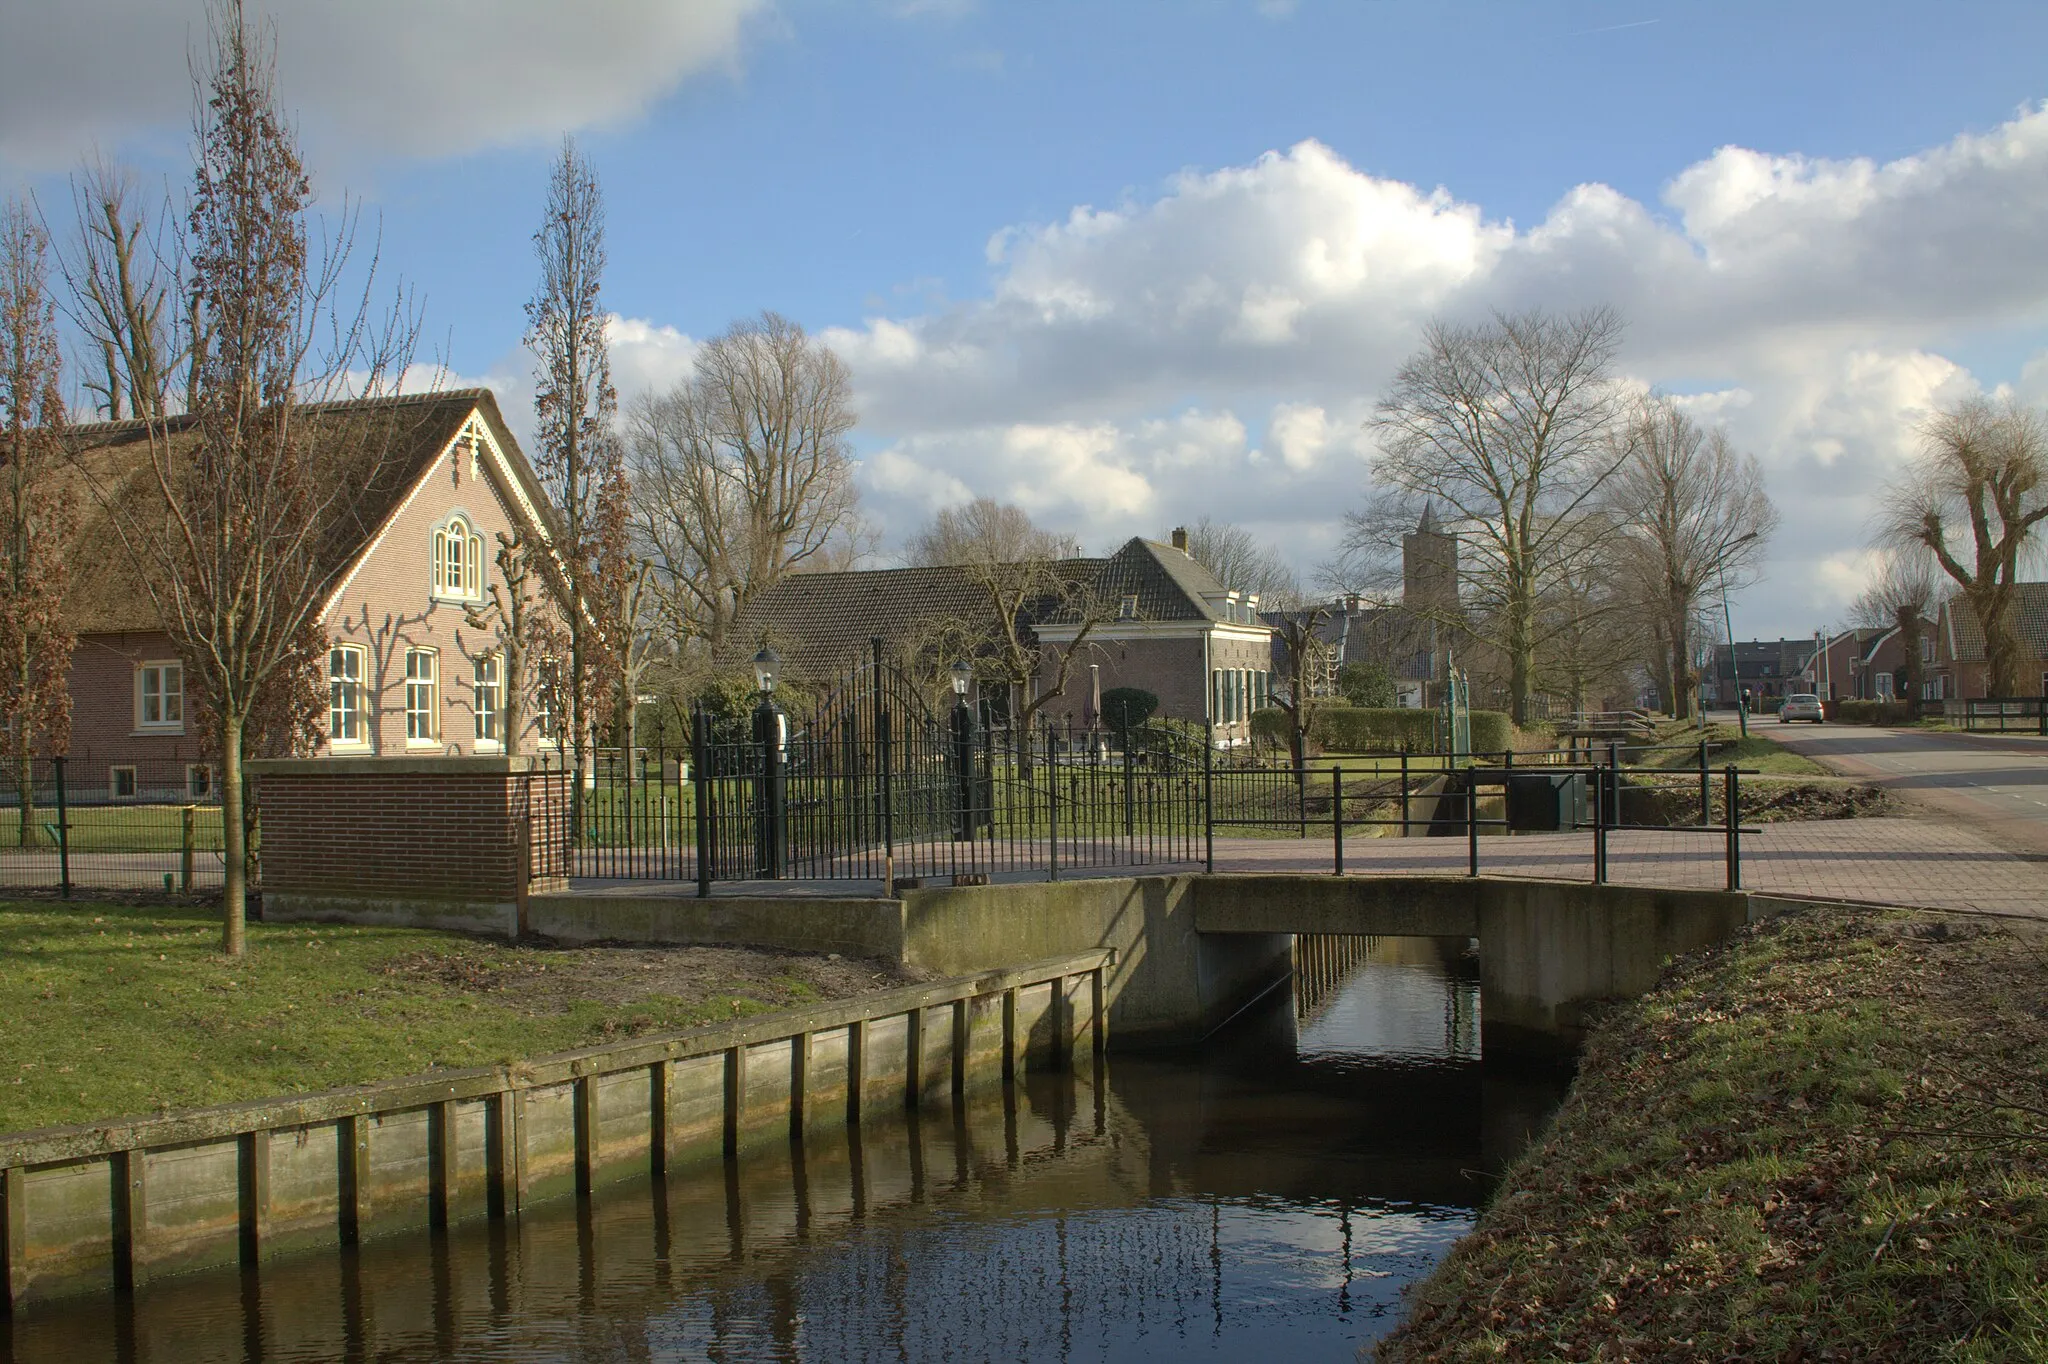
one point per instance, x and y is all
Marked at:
(1269, 1197)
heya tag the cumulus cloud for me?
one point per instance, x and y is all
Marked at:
(1109, 376)
(385, 76)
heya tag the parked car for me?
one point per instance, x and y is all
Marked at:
(1802, 706)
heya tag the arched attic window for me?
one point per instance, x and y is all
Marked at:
(458, 560)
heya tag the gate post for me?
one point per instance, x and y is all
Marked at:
(63, 834)
(963, 768)
(700, 789)
(770, 795)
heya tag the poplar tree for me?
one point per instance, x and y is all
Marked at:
(36, 642)
(578, 455)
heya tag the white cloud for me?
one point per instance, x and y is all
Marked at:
(1804, 302)
(386, 76)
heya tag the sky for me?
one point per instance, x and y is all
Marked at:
(1128, 263)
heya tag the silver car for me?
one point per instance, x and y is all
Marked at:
(1802, 706)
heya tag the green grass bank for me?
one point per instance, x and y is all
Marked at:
(1826, 1140)
(111, 1010)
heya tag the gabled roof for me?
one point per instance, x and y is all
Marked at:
(820, 622)
(1965, 636)
(370, 454)
(1169, 584)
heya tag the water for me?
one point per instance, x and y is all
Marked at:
(1273, 1196)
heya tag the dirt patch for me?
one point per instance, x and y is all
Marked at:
(541, 979)
(1785, 801)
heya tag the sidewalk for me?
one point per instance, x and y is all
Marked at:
(1923, 862)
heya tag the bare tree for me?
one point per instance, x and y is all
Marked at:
(579, 458)
(1304, 661)
(1693, 514)
(1505, 425)
(35, 513)
(1904, 596)
(1973, 504)
(1024, 575)
(742, 474)
(250, 487)
(516, 611)
(120, 282)
(1240, 560)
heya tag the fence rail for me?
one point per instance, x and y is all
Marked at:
(1998, 715)
(141, 825)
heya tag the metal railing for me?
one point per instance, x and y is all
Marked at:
(1998, 715)
(134, 825)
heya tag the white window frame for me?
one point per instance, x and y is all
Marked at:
(114, 775)
(457, 550)
(489, 691)
(164, 724)
(198, 781)
(422, 717)
(336, 741)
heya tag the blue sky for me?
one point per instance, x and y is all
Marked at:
(1264, 242)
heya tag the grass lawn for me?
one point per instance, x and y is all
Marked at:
(1827, 1140)
(115, 1010)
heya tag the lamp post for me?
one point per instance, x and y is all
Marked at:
(771, 734)
(1728, 623)
(963, 751)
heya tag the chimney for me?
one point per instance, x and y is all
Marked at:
(1180, 538)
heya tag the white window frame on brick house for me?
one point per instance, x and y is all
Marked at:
(115, 782)
(490, 702)
(458, 560)
(345, 699)
(160, 696)
(198, 781)
(422, 698)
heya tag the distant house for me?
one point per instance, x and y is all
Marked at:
(421, 487)
(1865, 664)
(1153, 618)
(1767, 669)
(1958, 668)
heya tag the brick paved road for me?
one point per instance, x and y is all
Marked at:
(1899, 861)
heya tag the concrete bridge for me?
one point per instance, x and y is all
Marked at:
(1192, 950)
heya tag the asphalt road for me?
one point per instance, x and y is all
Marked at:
(1995, 784)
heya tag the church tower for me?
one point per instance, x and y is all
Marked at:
(1429, 567)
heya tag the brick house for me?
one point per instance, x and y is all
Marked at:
(1155, 619)
(1864, 664)
(424, 484)
(1959, 669)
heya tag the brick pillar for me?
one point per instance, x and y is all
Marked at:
(450, 842)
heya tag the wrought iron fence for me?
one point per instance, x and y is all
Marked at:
(136, 825)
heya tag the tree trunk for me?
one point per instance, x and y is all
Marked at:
(234, 842)
(1909, 643)
(25, 795)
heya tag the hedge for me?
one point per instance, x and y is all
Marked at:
(1851, 712)
(1336, 728)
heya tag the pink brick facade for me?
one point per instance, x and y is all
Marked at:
(388, 606)
(1219, 674)
(389, 603)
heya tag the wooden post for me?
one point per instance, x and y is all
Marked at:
(660, 1085)
(504, 1140)
(586, 1134)
(441, 1163)
(352, 1141)
(913, 1057)
(856, 1069)
(255, 1172)
(1010, 1031)
(799, 1083)
(735, 1095)
(1098, 1020)
(13, 1237)
(962, 1035)
(131, 1215)
(189, 820)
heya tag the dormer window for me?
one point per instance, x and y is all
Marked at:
(1128, 608)
(458, 561)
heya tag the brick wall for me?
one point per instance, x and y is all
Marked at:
(1170, 669)
(103, 718)
(410, 828)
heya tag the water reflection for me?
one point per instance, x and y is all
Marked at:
(1276, 1193)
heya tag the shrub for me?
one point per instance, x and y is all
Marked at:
(1361, 729)
(1366, 685)
(1492, 731)
(1270, 725)
(1851, 712)
(1125, 708)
